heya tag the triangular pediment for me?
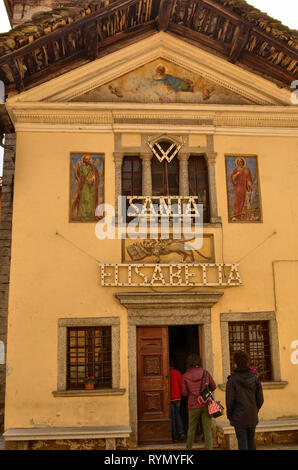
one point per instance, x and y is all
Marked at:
(162, 81)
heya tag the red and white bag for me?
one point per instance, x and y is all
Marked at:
(215, 408)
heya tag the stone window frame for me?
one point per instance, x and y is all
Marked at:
(226, 318)
(63, 325)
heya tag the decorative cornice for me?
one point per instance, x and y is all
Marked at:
(167, 300)
(206, 119)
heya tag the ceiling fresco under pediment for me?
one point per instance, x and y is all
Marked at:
(161, 81)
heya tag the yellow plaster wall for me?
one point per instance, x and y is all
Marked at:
(255, 246)
(53, 278)
(131, 140)
(56, 276)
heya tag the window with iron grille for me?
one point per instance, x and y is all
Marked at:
(89, 354)
(198, 182)
(252, 337)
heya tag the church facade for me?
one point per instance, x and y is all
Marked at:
(135, 110)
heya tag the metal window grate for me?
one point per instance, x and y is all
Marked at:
(252, 337)
(89, 354)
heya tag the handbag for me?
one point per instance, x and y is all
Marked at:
(204, 395)
(215, 408)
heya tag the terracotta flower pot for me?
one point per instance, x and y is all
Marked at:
(89, 386)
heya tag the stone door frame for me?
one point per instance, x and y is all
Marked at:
(165, 309)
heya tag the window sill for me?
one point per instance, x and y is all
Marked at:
(274, 385)
(90, 393)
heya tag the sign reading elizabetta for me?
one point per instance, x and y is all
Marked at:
(170, 275)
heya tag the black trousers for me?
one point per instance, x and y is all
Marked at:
(246, 438)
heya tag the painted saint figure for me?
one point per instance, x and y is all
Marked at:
(86, 199)
(243, 185)
(176, 83)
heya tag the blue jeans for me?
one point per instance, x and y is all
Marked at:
(177, 424)
(246, 438)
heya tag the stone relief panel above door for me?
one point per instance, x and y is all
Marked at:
(167, 251)
(162, 81)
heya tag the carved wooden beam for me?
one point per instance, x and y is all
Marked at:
(192, 36)
(240, 39)
(269, 71)
(164, 14)
(142, 30)
(219, 8)
(16, 74)
(91, 40)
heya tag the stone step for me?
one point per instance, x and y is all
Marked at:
(173, 446)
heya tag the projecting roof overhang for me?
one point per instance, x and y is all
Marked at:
(58, 41)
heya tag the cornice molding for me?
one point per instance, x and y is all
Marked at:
(194, 119)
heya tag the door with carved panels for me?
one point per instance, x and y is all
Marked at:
(154, 421)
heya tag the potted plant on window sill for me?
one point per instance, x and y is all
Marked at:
(89, 383)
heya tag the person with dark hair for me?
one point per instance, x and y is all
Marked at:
(244, 398)
(194, 377)
(175, 391)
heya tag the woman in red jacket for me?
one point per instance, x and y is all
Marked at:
(191, 385)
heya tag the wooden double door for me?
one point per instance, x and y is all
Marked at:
(153, 369)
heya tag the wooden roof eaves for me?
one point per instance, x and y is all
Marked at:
(234, 52)
(54, 35)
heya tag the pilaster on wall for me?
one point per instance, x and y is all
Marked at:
(5, 253)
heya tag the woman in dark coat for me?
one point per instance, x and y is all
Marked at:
(244, 398)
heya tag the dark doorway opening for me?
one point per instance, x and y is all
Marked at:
(183, 341)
